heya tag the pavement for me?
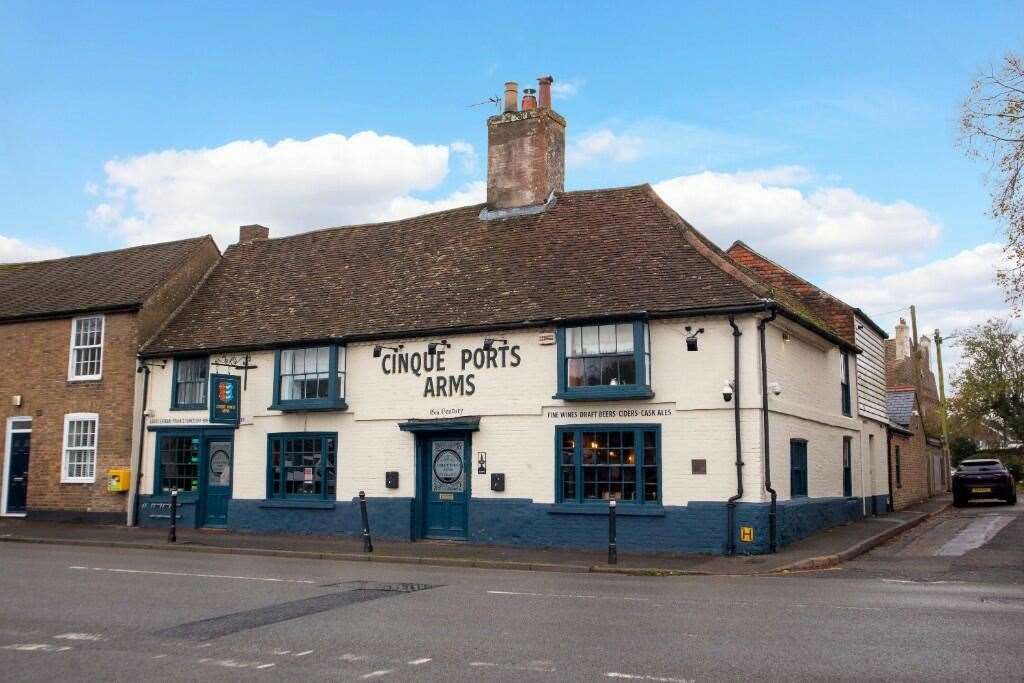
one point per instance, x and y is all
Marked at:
(820, 551)
(942, 602)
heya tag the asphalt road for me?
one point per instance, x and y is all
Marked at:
(945, 602)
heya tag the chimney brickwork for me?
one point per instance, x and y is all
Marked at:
(250, 233)
(525, 151)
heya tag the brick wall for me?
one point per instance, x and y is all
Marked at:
(34, 364)
(913, 466)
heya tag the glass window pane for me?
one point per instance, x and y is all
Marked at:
(591, 343)
(624, 338)
(606, 338)
(627, 370)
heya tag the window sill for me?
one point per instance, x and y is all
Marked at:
(85, 380)
(78, 481)
(308, 407)
(300, 504)
(605, 393)
(622, 509)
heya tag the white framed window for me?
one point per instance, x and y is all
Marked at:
(81, 431)
(86, 348)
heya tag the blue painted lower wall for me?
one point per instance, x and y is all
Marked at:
(699, 527)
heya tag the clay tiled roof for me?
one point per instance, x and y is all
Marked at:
(594, 253)
(109, 280)
(839, 315)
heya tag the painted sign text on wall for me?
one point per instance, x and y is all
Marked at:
(439, 380)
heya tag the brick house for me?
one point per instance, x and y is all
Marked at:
(908, 365)
(70, 332)
(502, 373)
(910, 449)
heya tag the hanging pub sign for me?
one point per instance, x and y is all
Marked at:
(224, 390)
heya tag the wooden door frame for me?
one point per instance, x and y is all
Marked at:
(8, 438)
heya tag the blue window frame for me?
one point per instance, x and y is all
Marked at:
(598, 463)
(309, 378)
(302, 466)
(605, 361)
(844, 383)
(190, 383)
(847, 466)
(178, 459)
(797, 468)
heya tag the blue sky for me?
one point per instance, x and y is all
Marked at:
(837, 117)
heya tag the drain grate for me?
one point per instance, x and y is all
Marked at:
(217, 627)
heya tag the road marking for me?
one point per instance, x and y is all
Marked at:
(643, 677)
(570, 595)
(80, 636)
(303, 654)
(376, 674)
(234, 663)
(417, 662)
(265, 666)
(195, 575)
(532, 666)
(347, 657)
(976, 534)
(36, 647)
(159, 656)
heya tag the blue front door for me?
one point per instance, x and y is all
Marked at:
(797, 468)
(218, 482)
(444, 485)
(17, 476)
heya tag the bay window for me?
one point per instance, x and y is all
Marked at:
(604, 361)
(311, 378)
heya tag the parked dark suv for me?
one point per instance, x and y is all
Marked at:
(987, 478)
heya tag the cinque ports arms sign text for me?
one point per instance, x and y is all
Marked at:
(441, 381)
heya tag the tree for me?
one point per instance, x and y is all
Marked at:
(992, 128)
(990, 386)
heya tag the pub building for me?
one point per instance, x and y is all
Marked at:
(500, 373)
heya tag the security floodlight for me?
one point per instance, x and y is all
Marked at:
(432, 346)
(727, 391)
(379, 348)
(691, 338)
(489, 342)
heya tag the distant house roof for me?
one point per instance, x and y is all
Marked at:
(595, 253)
(106, 281)
(902, 404)
(838, 314)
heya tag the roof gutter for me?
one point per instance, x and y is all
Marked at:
(57, 315)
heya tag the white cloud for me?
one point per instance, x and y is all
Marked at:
(467, 153)
(655, 138)
(290, 185)
(817, 230)
(14, 250)
(563, 90)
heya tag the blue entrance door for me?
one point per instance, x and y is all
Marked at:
(17, 479)
(797, 468)
(217, 493)
(444, 485)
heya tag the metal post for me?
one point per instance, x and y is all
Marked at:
(613, 553)
(367, 543)
(945, 413)
(172, 533)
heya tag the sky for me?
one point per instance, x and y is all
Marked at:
(822, 134)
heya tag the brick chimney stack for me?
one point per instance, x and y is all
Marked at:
(525, 150)
(902, 340)
(251, 233)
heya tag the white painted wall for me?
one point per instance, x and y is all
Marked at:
(519, 415)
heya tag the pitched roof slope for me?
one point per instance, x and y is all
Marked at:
(594, 253)
(836, 313)
(109, 280)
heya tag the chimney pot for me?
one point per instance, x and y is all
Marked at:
(251, 233)
(511, 96)
(529, 99)
(544, 83)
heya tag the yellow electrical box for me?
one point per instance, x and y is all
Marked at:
(746, 534)
(118, 479)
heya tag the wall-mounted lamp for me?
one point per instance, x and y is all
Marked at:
(379, 348)
(727, 391)
(432, 346)
(785, 336)
(691, 338)
(490, 341)
(775, 388)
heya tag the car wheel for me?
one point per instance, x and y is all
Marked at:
(958, 502)
(1012, 500)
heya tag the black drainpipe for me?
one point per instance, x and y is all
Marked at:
(143, 368)
(731, 507)
(767, 435)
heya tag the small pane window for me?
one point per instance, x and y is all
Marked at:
(87, 347)
(303, 466)
(844, 383)
(80, 448)
(600, 355)
(613, 463)
(847, 466)
(304, 375)
(190, 383)
(178, 463)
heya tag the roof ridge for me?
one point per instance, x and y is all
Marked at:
(135, 247)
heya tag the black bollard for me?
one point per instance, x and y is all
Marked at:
(172, 533)
(613, 552)
(367, 543)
